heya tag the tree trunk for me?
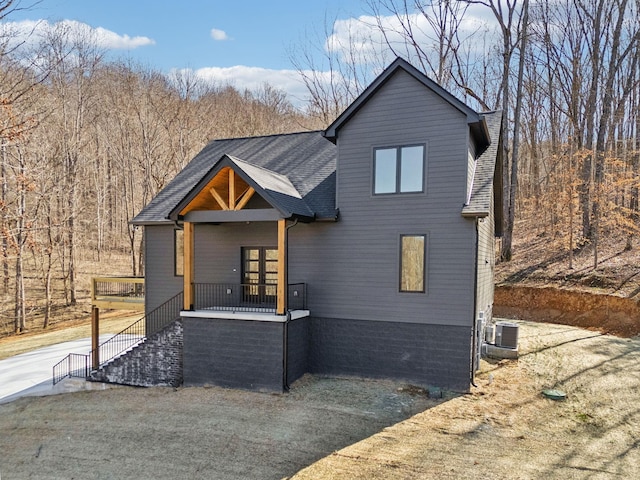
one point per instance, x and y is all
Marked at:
(71, 226)
(585, 191)
(506, 252)
(20, 310)
(3, 199)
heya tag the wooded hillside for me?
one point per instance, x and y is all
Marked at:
(85, 143)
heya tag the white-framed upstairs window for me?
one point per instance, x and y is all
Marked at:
(399, 169)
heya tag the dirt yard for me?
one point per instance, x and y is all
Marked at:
(504, 429)
(111, 322)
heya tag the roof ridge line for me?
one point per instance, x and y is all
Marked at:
(249, 137)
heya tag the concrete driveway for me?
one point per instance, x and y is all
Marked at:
(31, 373)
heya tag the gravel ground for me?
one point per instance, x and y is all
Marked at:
(196, 433)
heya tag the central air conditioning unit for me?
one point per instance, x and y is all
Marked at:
(506, 335)
(490, 333)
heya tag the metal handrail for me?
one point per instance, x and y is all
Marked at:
(135, 333)
(73, 365)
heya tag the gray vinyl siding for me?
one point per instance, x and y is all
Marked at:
(161, 283)
(486, 264)
(352, 266)
(218, 248)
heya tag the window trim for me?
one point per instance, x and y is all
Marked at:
(425, 237)
(398, 169)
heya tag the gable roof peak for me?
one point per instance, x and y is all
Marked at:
(399, 64)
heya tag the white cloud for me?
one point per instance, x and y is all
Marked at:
(254, 78)
(112, 40)
(219, 35)
(30, 31)
(360, 38)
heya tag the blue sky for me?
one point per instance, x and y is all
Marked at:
(244, 43)
(258, 33)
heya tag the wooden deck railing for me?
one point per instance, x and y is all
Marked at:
(122, 293)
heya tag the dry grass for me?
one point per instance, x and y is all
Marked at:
(62, 315)
(504, 429)
(111, 322)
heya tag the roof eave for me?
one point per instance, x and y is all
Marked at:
(480, 133)
(193, 192)
(471, 213)
(143, 223)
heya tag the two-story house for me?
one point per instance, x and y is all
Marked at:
(366, 249)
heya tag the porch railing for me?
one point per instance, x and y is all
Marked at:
(246, 297)
(118, 292)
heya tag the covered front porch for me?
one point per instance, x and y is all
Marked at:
(238, 212)
(245, 280)
(241, 334)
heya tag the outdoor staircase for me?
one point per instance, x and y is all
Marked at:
(148, 352)
(156, 361)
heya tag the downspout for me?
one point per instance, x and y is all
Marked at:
(285, 329)
(475, 307)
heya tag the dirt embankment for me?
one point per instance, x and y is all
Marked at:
(605, 313)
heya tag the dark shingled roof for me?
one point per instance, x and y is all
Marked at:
(480, 200)
(295, 171)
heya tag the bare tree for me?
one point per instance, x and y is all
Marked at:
(73, 58)
(336, 69)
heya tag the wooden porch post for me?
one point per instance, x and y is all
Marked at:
(282, 268)
(95, 337)
(188, 271)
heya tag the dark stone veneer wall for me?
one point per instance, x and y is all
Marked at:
(155, 362)
(250, 355)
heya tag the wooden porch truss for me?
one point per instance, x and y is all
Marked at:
(225, 191)
(221, 193)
